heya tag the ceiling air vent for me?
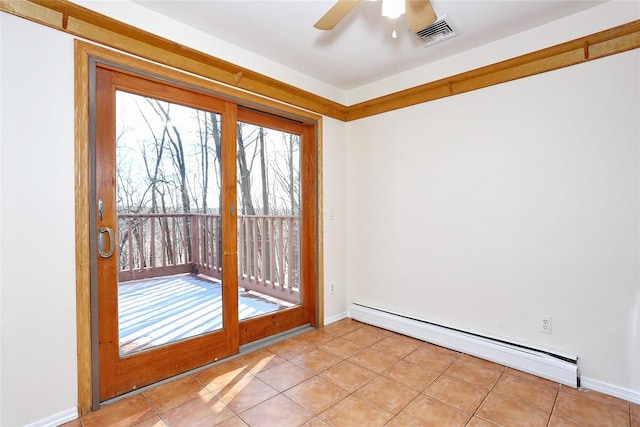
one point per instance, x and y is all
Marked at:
(436, 32)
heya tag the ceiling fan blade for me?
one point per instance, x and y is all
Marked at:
(419, 14)
(336, 14)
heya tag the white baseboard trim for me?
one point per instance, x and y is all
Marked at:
(562, 369)
(57, 419)
(611, 390)
(329, 320)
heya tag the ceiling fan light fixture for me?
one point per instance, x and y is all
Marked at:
(392, 8)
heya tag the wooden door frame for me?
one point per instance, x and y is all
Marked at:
(86, 55)
(256, 328)
(120, 374)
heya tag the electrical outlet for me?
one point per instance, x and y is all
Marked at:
(545, 324)
(333, 288)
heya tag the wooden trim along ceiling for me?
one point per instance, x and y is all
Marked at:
(79, 21)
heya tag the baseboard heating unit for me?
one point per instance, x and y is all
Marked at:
(560, 368)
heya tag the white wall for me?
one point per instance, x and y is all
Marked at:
(335, 219)
(38, 339)
(485, 210)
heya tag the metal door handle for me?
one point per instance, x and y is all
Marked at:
(102, 242)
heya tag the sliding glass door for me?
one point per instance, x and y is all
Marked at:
(205, 228)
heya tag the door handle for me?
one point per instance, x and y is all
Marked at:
(102, 242)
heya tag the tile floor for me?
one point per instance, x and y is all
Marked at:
(353, 374)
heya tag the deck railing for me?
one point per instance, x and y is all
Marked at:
(154, 245)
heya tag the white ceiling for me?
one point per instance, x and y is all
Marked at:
(360, 49)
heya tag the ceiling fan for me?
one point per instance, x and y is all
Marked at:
(419, 13)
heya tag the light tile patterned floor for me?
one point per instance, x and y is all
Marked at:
(352, 374)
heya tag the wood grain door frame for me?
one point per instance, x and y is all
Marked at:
(121, 374)
(257, 328)
(87, 55)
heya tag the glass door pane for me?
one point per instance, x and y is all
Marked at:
(268, 173)
(169, 234)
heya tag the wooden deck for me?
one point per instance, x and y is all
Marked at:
(157, 311)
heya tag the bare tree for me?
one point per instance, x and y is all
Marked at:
(178, 154)
(286, 174)
(244, 173)
(176, 148)
(217, 151)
